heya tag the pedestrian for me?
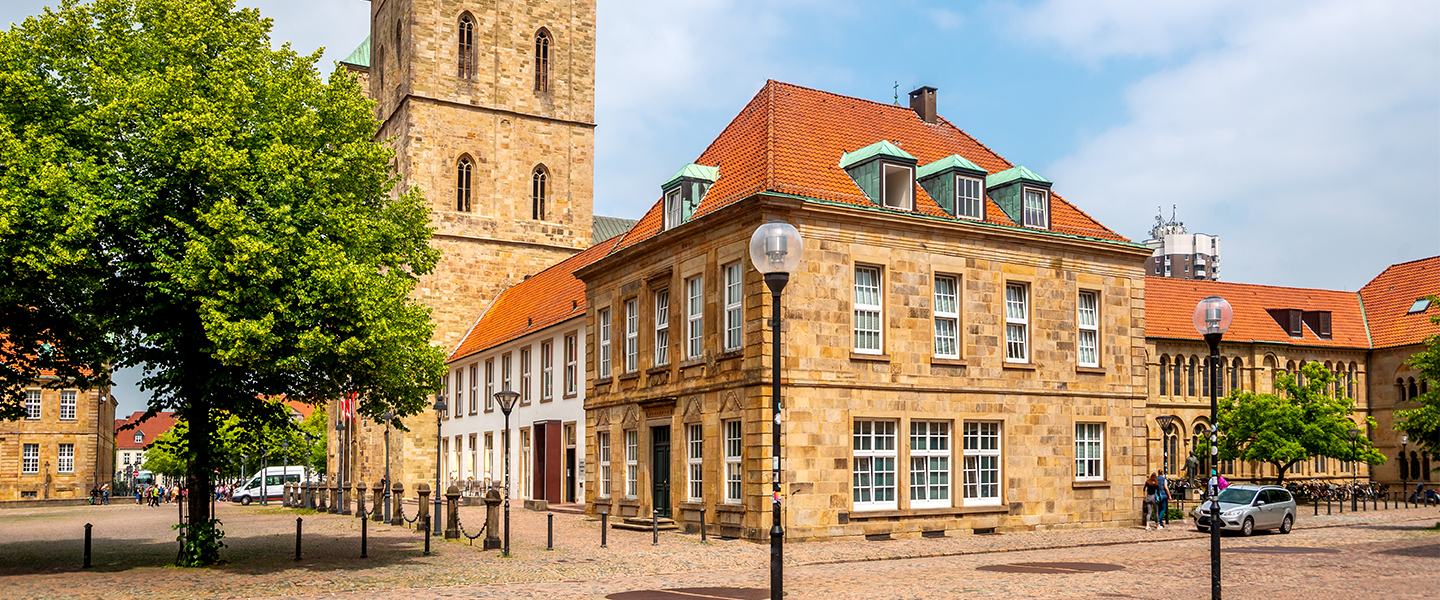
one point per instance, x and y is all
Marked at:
(1164, 497)
(1152, 501)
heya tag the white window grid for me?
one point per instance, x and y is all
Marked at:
(733, 316)
(1017, 323)
(632, 335)
(982, 463)
(603, 358)
(570, 366)
(1089, 451)
(1037, 208)
(525, 375)
(67, 405)
(490, 384)
(1088, 321)
(662, 327)
(474, 388)
(602, 441)
(632, 463)
(734, 448)
(32, 404)
(873, 482)
(65, 460)
(460, 391)
(547, 370)
(929, 464)
(695, 317)
(969, 197)
(489, 455)
(139, 436)
(673, 214)
(696, 462)
(868, 337)
(30, 458)
(947, 317)
(505, 373)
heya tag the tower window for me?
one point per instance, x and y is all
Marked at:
(466, 46)
(542, 61)
(462, 183)
(537, 194)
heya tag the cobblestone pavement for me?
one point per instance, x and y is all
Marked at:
(1389, 553)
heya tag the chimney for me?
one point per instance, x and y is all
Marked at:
(922, 101)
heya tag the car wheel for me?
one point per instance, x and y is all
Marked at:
(1287, 524)
(244, 501)
(1247, 528)
(1202, 529)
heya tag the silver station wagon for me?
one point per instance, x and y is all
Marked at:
(1245, 508)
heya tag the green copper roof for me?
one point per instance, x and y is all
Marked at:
(361, 56)
(1014, 173)
(880, 148)
(693, 171)
(954, 161)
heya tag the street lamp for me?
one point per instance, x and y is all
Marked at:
(775, 250)
(387, 416)
(1404, 470)
(507, 403)
(308, 499)
(340, 452)
(439, 412)
(285, 475)
(1212, 318)
(1354, 472)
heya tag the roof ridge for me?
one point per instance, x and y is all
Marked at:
(1264, 285)
(828, 93)
(1394, 265)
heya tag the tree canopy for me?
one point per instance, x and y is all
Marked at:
(1423, 424)
(239, 446)
(177, 195)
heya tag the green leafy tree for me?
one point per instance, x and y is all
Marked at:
(188, 199)
(1423, 424)
(238, 446)
(1292, 426)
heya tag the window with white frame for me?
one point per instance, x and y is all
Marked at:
(474, 388)
(547, 370)
(1087, 320)
(1037, 208)
(139, 437)
(673, 214)
(696, 463)
(489, 455)
(898, 186)
(632, 463)
(30, 458)
(65, 462)
(505, 373)
(489, 384)
(947, 317)
(67, 405)
(695, 317)
(868, 338)
(662, 327)
(929, 464)
(571, 353)
(873, 483)
(524, 375)
(602, 442)
(1089, 451)
(1320, 464)
(603, 352)
(632, 335)
(734, 446)
(460, 391)
(32, 404)
(969, 197)
(1017, 323)
(733, 312)
(982, 462)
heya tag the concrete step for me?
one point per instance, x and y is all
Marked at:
(568, 509)
(644, 524)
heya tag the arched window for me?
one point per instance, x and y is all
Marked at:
(1414, 391)
(463, 170)
(1400, 384)
(1197, 438)
(1235, 374)
(139, 437)
(537, 193)
(380, 67)
(1179, 379)
(1172, 448)
(1190, 391)
(399, 48)
(542, 61)
(1206, 375)
(1404, 466)
(465, 46)
(1164, 367)
(1415, 465)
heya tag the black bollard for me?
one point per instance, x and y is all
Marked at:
(1317, 506)
(298, 521)
(427, 536)
(654, 529)
(702, 527)
(364, 537)
(1387, 502)
(87, 547)
(604, 528)
(1327, 507)
(549, 531)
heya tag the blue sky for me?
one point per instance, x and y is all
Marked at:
(1305, 134)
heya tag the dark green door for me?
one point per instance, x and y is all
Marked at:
(660, 470)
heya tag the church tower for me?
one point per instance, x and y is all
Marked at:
(490, 106)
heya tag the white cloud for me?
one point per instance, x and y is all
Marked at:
(1306, 138)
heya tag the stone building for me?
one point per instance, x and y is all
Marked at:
(62, 448)
(1398, 313)
(491, 110)
(963, 348)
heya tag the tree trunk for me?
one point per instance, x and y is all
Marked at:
(198, 473)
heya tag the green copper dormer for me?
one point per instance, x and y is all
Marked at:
(684, 191)
(884, 172)
(361, 56)
(1023, 194)
(956, 184)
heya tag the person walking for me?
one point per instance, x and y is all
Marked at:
(1163, 495)
(1152, 501)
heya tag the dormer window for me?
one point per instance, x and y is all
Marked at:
(673, 215)
(969, 197)
(956, 185)
(1037, 208)
(1023, 194)
(884, 173)
(684, 192)
(899, 187)
(139, 437)
(1419, 306)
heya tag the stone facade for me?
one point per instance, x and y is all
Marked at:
(89, 432)
(495, 117)
(1390, 373)
(828, 387)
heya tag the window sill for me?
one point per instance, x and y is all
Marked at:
(928, 512)
(660, 369)
(693, 362)
(630, 375)
(602, 381)
(731, 354)
(629, 502)
(544, 400)
(1090, 484)
(570, 396)
(949, 362)
(1018, 366)
(869, 357)
(729, 508)
(691, 505)
(1091, 370)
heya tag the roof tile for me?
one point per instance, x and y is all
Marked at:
(1170, 306)
(1388, 298)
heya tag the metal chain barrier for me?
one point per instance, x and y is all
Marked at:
(408, 520)
(472, 538)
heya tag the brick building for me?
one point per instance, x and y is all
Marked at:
(963, 348)
(64, 447)
(133, 438)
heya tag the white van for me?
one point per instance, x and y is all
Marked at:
(275, 480)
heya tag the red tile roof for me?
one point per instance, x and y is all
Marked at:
(789, 139)
(1389, 296)
(1170, 304)
(153, 428)
(549, 297)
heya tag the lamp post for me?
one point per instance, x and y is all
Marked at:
(439, 412)
(775, 250)
(1404, 470)
(1354, 472)
(387, 416)
(285, 475)
(340, 452)
(1211, 319)
(507, 403)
